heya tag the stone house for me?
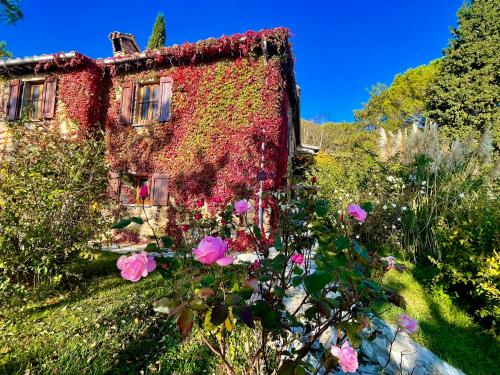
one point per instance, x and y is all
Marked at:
(214, 120)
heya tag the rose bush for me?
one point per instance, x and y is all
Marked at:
(305, 276)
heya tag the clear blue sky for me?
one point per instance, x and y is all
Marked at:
(341, 47)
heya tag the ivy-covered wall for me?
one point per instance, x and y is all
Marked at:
(211, 146)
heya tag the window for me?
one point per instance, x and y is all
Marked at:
(130, 186)
(147, 104)
(32, 106)
(34, 100)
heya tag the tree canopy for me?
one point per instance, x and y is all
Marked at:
(10, 13)
(404, 101)
(157, 38)
(466, 94)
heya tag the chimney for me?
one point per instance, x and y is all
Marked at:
(123, 44)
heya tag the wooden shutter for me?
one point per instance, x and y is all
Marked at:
(159, 190)
(127, 104)
(165, 98)
(49, 97)
(114, 185)
(14, 100)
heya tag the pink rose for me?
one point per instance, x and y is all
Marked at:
(256, 265)
(136, 266)
(242, 207)
(391, 262)
(348, 357)
(144, 192)
(407, 323)
(199, 203)
(212, 250)
(297, 258)
(356, 212)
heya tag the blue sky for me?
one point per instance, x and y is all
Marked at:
(341, 47)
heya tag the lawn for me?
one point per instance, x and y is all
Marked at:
(107, 326)
(444, 329)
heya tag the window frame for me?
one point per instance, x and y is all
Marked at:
(26, 97)
(152, 117)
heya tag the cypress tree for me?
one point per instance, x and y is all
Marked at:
(157, 38)
(466, 96)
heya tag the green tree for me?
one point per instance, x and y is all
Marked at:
(10, 13)
(403, 101)
(466, 96)
(157, 38)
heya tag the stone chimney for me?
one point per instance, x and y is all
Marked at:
(123, 44)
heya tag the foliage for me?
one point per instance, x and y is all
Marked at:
(445, 199)
(157, 38)
(211, 146)
(50, 201)
(333, 279)
(347, 163)
(403, 102)
(467, 91)
(10, 12)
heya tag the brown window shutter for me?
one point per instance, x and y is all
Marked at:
(159, 190)
(14, 100)
(165, 98)
(49, 97)
(127, 104)
(114, 186)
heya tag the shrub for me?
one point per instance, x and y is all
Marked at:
(304, 282)
(51, 194)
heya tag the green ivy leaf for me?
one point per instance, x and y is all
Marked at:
(256, 232)
(360, 250)
(151, 247)
(278, 244)
(296, 281)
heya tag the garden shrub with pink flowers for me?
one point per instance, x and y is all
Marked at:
(309, 255)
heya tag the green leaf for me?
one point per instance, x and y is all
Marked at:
(321, 207)
(137, 220)
(256, 232)
(164, 305)
(271, 320)
(245, 293)
(185, 322)
(296, 281)
(123, 223)
(278, 245)
(279, 292)
(367, 206)
(207, 281)
(315, 282)
(167, 241)
(219, 314)
(151, 247)
(233, 299)
(360, 250)
(342, 243)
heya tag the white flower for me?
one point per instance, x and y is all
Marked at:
(399, 219)
(339, 212)
(385, 226)
(385, 207)
(404, 208)
(424, 182)
(393, 205)
(461, 195)
(393, 226)
(357, 236)
(342, 226)
(370, 194)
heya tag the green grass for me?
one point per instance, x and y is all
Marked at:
(443, 328)
(105, 326)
